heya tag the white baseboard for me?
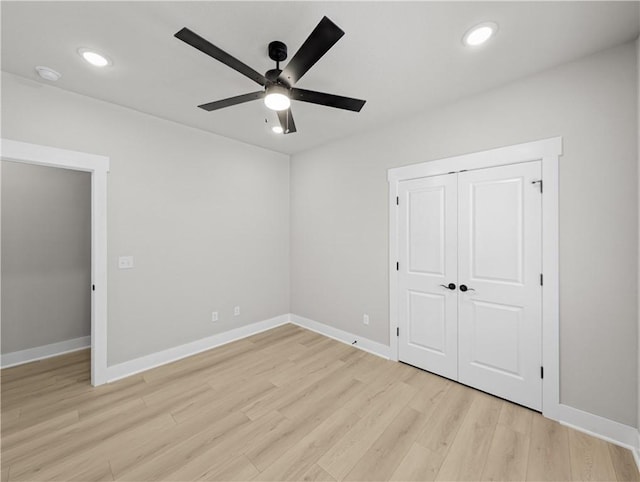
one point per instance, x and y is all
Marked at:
(46, 351)
(600, 427)
(128, 368)
(636, 450)
(345, 337)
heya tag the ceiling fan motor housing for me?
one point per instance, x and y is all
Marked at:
(277, 51)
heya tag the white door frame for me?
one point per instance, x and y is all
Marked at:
(98, 166)
(546, 150)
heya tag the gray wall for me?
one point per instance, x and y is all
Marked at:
(339, 221)
(206, 218)
(46, 255)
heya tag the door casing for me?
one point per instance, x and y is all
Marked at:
(548, 152)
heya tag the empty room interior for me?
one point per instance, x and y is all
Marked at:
(327, 241)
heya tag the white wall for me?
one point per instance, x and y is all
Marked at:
(206, 218)
(339, 216)
(46, 255)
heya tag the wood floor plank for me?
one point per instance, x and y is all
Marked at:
(508, 455)
(624, 464)
(386, 453)
(85, 470)
(285, 404)
(549, 457)
(122, 443)
(236, 444)
(467, 455)
(236, 469)
(135, 455)
(296, 462)
(174, 457)
(267, 450)
(50, 446)
(420, 464)
(516, 417)
(39, 430)
(445, 420)
(287, 393)
(429, 394)
(590, 458)
(344, 455)
(317, 473)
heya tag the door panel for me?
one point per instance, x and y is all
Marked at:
(427, 326)
(426, 228)
(428, 314)
(499, 235)
(496, 336)
(496, 230)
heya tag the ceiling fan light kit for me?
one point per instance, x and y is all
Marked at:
(277, 97)
(278, 84)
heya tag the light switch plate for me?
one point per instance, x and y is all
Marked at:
(125, 262)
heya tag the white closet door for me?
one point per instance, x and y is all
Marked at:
(499, 260)
(428, 335)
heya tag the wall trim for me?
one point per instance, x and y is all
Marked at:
(98, 166)
(144, 363)
(600, 427)
(45, 351)
(362, 343)
(636, 451)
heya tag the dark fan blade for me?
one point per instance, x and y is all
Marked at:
(323, 37)
(286, 121)
(238, 99)
(329, 100)
(208, 48)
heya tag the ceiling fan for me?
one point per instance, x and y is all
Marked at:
(278, 84)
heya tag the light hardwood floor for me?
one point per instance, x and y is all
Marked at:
(286, 404)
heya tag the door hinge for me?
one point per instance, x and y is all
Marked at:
(397, 200)
(536, 182)
(541, 279)
(541, 372)
(398, 331)
(397, 265)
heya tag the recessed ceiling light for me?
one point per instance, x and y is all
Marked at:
(94, 58)
(480, 34)
(48, 74)
(277, 129)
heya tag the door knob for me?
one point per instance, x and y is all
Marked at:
(450, 286)
(464, 288)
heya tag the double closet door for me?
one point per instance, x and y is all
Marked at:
(470, 279)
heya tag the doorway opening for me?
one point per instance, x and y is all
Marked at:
(14, 153)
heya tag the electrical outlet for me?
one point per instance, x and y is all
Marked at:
(236, 311)
(214, 316)
(365, 319)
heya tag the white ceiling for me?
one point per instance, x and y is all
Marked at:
(401, 57)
